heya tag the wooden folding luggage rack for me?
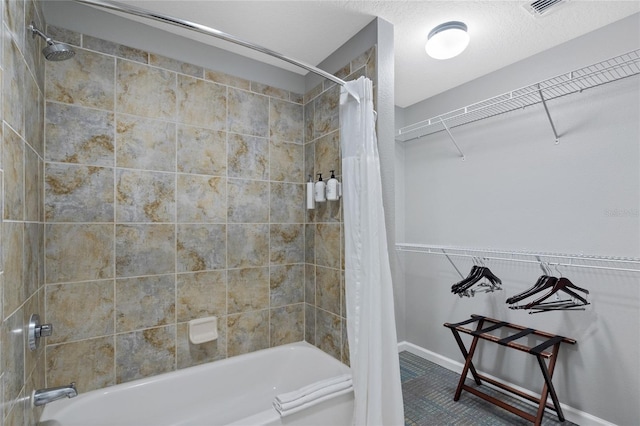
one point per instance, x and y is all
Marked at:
(540, 352)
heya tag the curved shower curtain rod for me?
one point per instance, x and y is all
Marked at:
(132, 10)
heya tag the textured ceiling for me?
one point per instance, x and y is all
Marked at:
(502, 32)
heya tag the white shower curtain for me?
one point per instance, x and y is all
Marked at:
(371, 328)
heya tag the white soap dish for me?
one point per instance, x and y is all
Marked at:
(203, 330)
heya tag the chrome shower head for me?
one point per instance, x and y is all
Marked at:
(58, 52)
(54, 51)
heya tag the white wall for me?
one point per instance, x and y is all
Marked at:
(517, 190)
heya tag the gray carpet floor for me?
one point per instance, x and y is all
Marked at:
(428, 390)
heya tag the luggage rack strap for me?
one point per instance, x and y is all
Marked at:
(474, 318)
(538, 350)
(491, 328)
(516, 336)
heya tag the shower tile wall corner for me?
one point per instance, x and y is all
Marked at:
(325, 312)
(170, 193)
(173, 193)
(21, 220)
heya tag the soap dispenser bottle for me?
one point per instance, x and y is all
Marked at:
(332, 187)
(320, 189)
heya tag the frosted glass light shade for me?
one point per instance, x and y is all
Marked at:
(447, 40)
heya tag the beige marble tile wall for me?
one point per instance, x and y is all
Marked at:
(22, 229)
(171, 193)
(325, 313)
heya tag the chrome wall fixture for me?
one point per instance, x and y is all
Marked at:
(41, 397)
(36, 331)
(54, 51)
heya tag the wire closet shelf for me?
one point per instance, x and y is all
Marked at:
(609, 263)
(594, 75)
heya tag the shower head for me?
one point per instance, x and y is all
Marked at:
(54, 51)
(58, 52)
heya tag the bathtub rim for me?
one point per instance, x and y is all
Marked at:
(52, 411)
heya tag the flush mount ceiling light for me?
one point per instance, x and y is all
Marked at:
(447, 40)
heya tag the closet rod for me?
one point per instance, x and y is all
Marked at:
(549, 258)
(132, 10)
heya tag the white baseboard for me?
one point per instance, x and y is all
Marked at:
(572, 414)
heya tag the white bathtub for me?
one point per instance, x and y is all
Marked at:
(235, 391)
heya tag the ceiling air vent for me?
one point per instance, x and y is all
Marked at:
(540, 8)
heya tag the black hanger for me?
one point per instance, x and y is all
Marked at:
(562, 284)
(544, 282)
(472, 277)
(568, 284)
(477, 273)
(558, 305)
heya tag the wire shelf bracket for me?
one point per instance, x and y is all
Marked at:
(453, 140)
(546, 110)
(610, 70)
(609, 263)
